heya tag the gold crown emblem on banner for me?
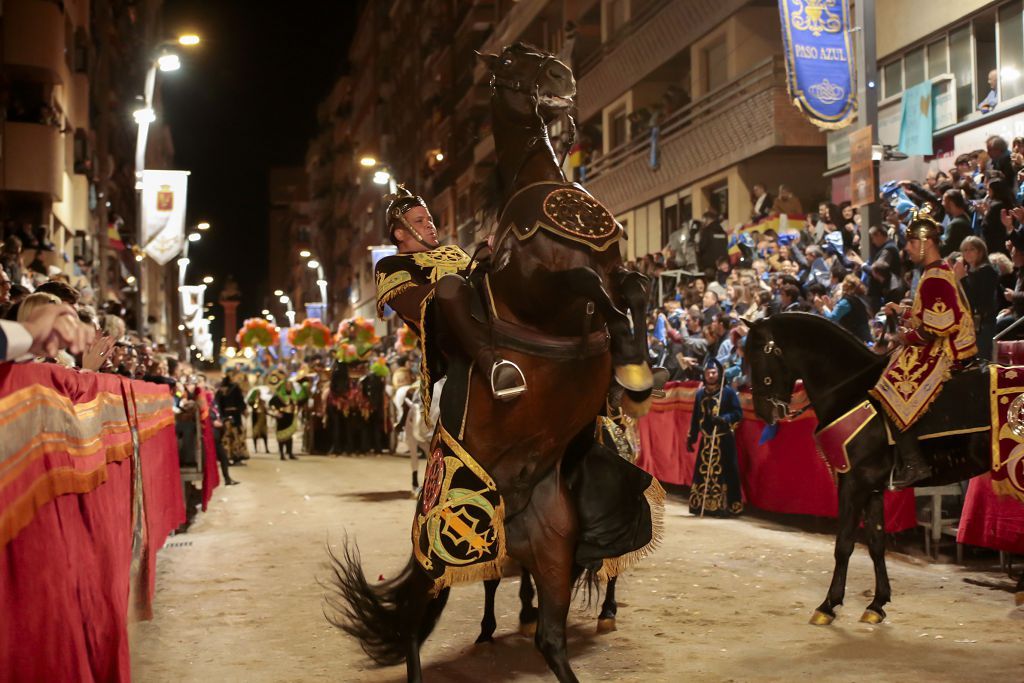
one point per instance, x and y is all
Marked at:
(814, 16)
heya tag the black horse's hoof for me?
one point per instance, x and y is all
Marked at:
(872, 616)
(528, 629)
(820, 618)
(606, 625)
(484, 638)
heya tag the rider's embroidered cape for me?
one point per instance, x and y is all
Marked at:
(415, 275)
(942, 333)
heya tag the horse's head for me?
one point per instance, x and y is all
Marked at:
(770, 378)
(529, 83)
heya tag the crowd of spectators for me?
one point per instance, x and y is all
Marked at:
(713, 280)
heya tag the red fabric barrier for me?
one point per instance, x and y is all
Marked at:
(65, 562)
(785, 474)
(991, 521)
(211, 477)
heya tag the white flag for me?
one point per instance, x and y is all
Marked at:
(164, 195)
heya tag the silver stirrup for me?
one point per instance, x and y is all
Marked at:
(511, 392)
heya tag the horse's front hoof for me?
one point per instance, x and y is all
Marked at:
(528, 629)
(606, 625)
(1018, 598)
(819, 618)
(870, 616)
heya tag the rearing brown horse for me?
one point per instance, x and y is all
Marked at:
(556, 304)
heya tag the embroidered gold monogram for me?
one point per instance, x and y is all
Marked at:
(442, 261)
(940, 316)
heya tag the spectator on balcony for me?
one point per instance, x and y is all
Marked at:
(992, 98)
(786, 203)
(712, 242)
(762, 202)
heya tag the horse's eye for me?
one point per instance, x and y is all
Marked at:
(506, 61)
(767, 381)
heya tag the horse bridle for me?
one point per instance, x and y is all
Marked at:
(533, 90)
(772, 348)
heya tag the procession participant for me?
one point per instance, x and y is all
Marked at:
(716, 475)
(284, 407)
(424, 273)
(257, 402)
(936, 337)
(231, 406)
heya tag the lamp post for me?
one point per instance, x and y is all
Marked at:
(164, 60)
(321, 282)
(290, 312)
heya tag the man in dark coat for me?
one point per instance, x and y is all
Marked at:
(959, 227)
(712, 243)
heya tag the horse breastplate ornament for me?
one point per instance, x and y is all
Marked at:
(569, 212)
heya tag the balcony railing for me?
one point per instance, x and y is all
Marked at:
(635, 22)
(33, 38)
(743, 118)
(759, 78)
(33, 158)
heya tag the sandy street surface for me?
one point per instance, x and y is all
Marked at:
(722, 600)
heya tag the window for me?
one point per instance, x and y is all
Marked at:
(618, 128)
(961, 67)
(616, 15)
(718, 199)
(685, 209)
(913, 68)
(716, 68)
(938, 64)
(984, 54)
(1011, 51)
(893, 79)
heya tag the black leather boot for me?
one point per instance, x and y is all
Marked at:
(910, 466)
(454, 297)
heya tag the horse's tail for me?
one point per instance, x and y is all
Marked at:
(587, 587)
(383, 617)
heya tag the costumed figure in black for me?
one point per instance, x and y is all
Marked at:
(230, 404)
(425, 279)
(373, 385)
(716, 475)
(284, 407)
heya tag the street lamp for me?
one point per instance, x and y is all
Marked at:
(168, 62)
(203, 226)
(305, 253)
(290, 312)
(279, 292)
(368, 161)
(194, 237)
(208, 280)
(381, 177)
(188, 40)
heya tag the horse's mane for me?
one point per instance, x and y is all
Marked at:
(809, 326)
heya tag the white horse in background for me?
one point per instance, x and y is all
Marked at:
(418, 428)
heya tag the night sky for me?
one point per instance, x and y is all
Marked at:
(244, 101)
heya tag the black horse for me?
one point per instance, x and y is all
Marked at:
(528, 613)
(837, 370)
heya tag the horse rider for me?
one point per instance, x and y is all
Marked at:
(424, 272)
(936, 337)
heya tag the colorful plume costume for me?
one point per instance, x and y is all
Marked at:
(940, 339)
(716, 488)
(257, 402)
(284, 406)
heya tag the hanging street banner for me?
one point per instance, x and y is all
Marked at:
(917, 120)
(862, 168)
(163, 213)
(819, 60)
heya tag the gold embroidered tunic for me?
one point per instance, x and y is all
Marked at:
(941, 335)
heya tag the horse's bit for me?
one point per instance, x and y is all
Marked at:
(772, 348)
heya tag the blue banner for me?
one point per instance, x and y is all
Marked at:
(819, 66)
(917, 120)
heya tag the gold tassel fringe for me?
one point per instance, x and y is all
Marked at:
(613, 566)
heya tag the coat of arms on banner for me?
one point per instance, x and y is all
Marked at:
(165, 198)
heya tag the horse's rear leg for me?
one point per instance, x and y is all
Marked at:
(606, 619)
(489, 622)
(874, 525)
(851, 503)
(527, 612)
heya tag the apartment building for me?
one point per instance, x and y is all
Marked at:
(419, 112)
(71, 71)
(956, 46)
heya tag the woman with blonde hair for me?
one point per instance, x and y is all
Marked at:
(851, 311)
(34, 301)
(980, 281)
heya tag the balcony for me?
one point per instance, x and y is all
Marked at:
(33, 159)
(739, 120)
(664, 29)
(33, 39)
